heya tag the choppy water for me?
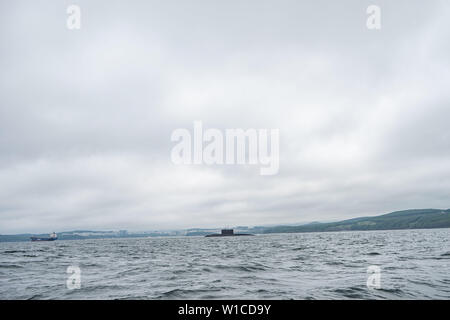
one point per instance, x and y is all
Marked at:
(414, 264)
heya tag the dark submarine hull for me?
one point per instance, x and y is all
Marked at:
(228, 235)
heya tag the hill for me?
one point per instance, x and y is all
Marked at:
(406, 219)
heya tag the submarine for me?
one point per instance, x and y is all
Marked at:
(228, 233)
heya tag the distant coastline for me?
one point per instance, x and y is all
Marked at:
(398, 220)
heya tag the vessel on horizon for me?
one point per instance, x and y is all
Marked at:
(52, 237)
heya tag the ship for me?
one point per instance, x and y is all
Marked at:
(52, 237)
(228, 233)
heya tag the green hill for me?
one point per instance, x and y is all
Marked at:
(407, 219)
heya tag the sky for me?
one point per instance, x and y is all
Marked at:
(86, 115)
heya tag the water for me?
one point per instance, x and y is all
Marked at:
(415, 264)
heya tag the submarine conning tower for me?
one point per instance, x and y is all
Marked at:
(227, 233)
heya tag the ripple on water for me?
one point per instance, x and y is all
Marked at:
(352, 292)
(14, 251)
(301, 266)
(10, 266)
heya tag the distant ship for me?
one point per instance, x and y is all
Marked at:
(228, 233)
(52, 237)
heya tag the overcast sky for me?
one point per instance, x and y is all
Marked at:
(86, 115)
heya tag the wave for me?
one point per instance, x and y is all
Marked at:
(10, 266)
(14, 251)
(241, 268)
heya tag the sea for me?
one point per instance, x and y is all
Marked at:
(401, 264)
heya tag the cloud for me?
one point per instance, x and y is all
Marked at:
(86, 116)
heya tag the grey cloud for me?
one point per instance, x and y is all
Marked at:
(86, 116)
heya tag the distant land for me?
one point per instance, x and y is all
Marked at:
(89, 234)
(406, 219)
